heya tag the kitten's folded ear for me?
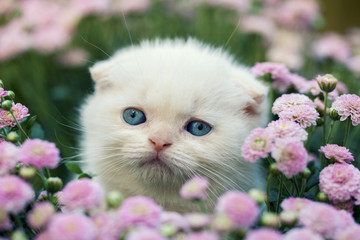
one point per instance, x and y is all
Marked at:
(100, 74)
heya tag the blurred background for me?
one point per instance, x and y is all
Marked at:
(46, 46)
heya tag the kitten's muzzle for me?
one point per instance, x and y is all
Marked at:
(159, 144)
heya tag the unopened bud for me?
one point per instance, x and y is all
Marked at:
(273, 169)
(6, 105)
(168, 230)
(321, 196)
(288, 218)
(1, 83)
(10, 95)
(334, 114)
(55, 184)
(269, 219)
(258, 195)
(13, 137)
(327, 82)
(27, 172)
(114, 199)
(306, 173)
(222, 223)
(18, 235)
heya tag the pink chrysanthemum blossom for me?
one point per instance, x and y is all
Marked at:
(336, 153)
(286, 101)
(349, 233)
(3, 93)
(107, 226)
(70, 226)
(300, 83)
(301, 234)
(39, 153)
(8, 157)
(347, 206)
(286, 129)
(331, 45)
(40, 215)
(294, 204)
(81, 194)
(348, 105)
(290, 156)
(145, 233)
(197, 220)
(202, 235)
(139, 210)
(6, 119)
(222, 223)
(239, 207)
(324, 219)
(195, 188)
(276, 70)
(264, 233)
(257, 145)
(304, 115)
(15, 193)
(340, 182)
(176, 220)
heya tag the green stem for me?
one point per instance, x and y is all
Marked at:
(4, 131)
(279, 193)
(347, 131)
(303, 185)
(325, 115)
(271, 101)
(310, 134)
(48, 172)
(18, 124)
(296, 186)
(331, 130)
(202, 206)
(268, 192)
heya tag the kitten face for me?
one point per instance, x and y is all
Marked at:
(165, 111)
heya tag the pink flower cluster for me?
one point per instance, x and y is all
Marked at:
(348, 105)
(195, 188)
(336, 153)
(7, 120)
(283, 139)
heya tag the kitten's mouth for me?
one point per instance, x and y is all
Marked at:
(155, 163)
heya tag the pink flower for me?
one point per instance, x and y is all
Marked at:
(286, 129)
(294, 204)
(222, 223)
(197, 220)
(74, 57)
(349, 233)
(290, 156)
(176, 220)
(202, 235)
(124, 6)
(39, 153)
(8, 157)
(3, 93)
(331, 45)
(304, 115)
(71, 226)
(40, 215)
(336, 153)
(287, 101)
(348, 105)
(83, 193)
(6, 119)
(144, 233)
(301, 234)
(195, 188)
(257, 145)
(239, 207)
(264, 233)
(107, 226)
(239, 5)
(139, 210)
(258, 24)
(340, 182)
(323, 219)
(276, 70)
(15, 193)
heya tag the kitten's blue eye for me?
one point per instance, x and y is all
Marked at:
(134, 116)
(198, 128)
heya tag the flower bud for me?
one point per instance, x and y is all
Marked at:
(27, 172)
(114, 199)
(6, 105)
(327, 82)
(273, 169)
(55, 184)
(288, 218)
(13, 137)
(269, 219)
(10, 95)
(1, 84)
(306, 173)
(321, 196)
(222, 223)
(334, 114)
(258, 195)
(168, 230)
(18, 235)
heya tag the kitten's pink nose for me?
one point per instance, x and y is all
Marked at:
(159, 144)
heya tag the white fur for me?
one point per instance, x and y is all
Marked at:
(172, 82)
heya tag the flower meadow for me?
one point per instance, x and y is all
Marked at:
(309, 148)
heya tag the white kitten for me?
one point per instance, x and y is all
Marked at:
(166, 110)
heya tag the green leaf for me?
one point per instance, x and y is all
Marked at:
(85, 175)
(73, 167)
